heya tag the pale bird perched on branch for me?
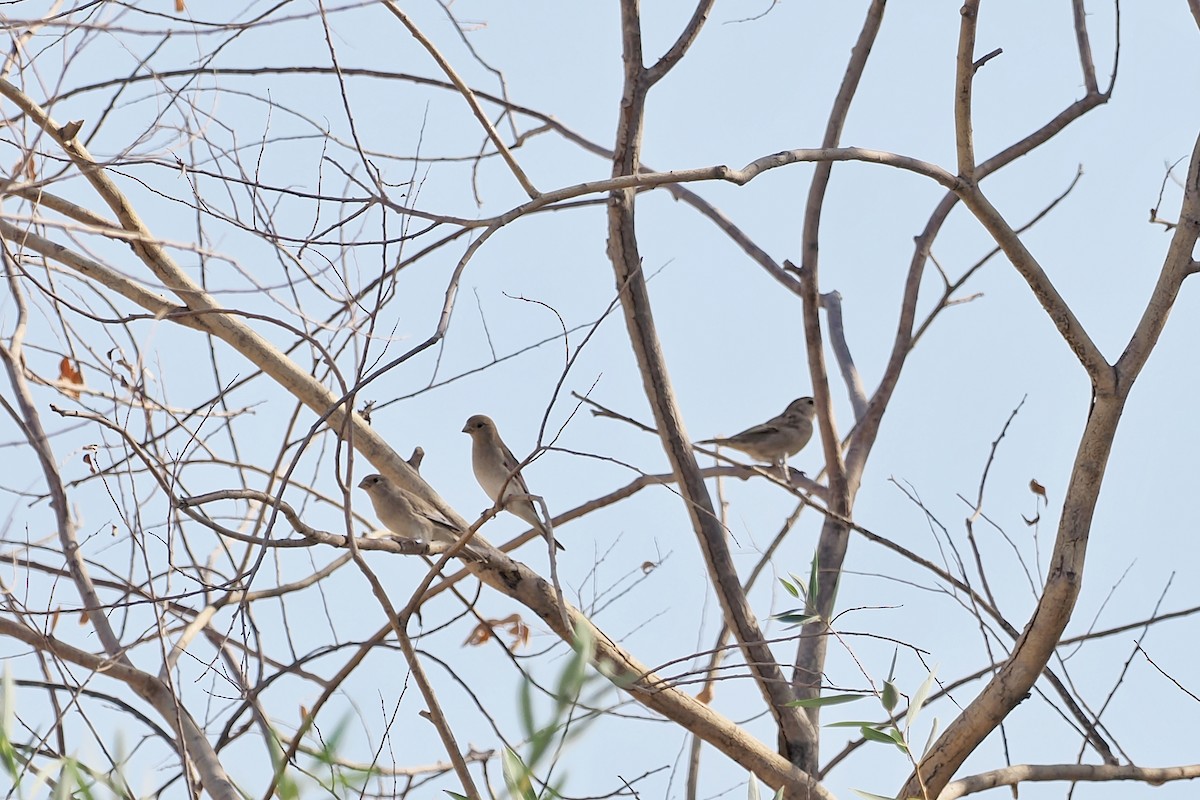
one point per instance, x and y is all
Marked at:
(407, 515)
(496, 470)
(778, 438)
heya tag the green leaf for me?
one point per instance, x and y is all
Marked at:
(791, 589)
(456, 795)
(853, 724)
(752, 788)
(918, 700)
(932, 735)
(525, 708)
(814, 584)
(872, 735)
(73, 775)
(890, 696)
(884, 737)
(63, 786)
(516, 776)
(8, 753)
(570, 682)
(796, 618)
(7, 711)
(825, 700)
(287, 788)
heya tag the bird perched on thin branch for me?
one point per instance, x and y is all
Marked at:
(496, 470)
(405, 514)
(778, 438)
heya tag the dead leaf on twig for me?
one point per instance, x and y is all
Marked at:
(1039, 490)
(706, 694)
(513, 625)
(69, 373)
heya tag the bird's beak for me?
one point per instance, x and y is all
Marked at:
(464, 430)
(361, 483)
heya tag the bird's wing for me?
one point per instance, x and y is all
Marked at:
(437, 518)
(510, 463)
(768, 428)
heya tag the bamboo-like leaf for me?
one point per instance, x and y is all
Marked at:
(873, 735)
(8, 753)
(801, 586)
(795, 617)
(890, 696)
(516, 775)
(870, 796)
(918, 700)
(814, 586)
(932, 735)
(826, 700)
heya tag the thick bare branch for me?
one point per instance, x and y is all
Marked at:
(151, 690)
(831, 547)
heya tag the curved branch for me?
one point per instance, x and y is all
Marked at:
(811, 652)
(1023, 773)
(1065, 576)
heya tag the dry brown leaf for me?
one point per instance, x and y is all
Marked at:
(83, 617)
(1032, 522)
(480, 634)
(648, 567)
(513, 625)
(69, 373)
(706, 694)
(303, 712)
(54, 619)
(179, 6)
(517, 629)
(1039, 490)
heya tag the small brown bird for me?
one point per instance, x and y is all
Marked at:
(407, 515)
(776, 439)
(495, 468)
